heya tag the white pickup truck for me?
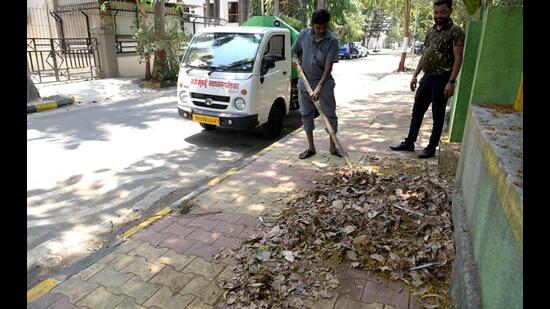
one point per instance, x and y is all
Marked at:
(239, 77)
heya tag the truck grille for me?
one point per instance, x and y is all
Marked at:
(203, 96)
(214, 105)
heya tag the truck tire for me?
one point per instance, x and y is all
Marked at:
(207, 127)
(274, 125)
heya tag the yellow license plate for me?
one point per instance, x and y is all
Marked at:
(206, 119)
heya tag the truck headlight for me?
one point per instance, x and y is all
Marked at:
(240, 104)
(183, 95)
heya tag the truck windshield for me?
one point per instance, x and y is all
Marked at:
(224, 52)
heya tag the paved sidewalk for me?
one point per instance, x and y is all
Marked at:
(102, 91)
(170, 264)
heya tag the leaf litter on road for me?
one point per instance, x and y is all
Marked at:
(350, 217)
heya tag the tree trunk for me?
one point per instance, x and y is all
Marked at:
(405, 37)
(32, 92)
(321, 4)
(276, 11)
(159, 64)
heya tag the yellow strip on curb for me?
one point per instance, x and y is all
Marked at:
(506, 192)
(46, 106)
(518, 105)
(266, 150)
(218, 179)
(40, 289)
(145, 223)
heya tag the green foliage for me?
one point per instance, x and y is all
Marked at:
(293, 22)
(171, 42)
(145, 39)
(349, 22)
(356, 19)
(421, 18)
(255, 8)
(346, 18)
(395, 33)
(105, 6)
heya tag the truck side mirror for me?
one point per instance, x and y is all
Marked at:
(267, 64)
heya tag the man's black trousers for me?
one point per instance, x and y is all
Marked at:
(430, 90)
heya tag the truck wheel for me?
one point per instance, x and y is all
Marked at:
(274, 124)
(207, 127)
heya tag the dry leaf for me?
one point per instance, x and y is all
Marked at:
(288, 256)
(377, 257)
(349, 229)
(351, 255)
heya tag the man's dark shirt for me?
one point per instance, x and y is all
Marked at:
(438, 47)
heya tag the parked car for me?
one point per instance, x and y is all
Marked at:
(348, 50)
(363, 52)
(418, 48)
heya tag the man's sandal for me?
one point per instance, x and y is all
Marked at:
(306, 154)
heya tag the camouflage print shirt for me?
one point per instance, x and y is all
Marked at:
(438, 47)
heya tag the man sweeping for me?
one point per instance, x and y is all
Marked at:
(317, 50)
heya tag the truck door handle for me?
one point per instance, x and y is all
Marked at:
(284, 72)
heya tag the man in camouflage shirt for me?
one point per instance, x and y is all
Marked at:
(440, 61)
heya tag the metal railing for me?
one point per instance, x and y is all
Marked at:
(54, 59)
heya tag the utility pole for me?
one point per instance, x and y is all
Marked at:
(321, 4)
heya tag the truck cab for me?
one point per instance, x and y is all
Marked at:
(239, 77)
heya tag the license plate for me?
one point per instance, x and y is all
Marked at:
(206, 119)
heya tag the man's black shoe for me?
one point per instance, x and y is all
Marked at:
(403, 147)
(427, 153)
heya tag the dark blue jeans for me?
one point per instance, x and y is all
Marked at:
(430, 90)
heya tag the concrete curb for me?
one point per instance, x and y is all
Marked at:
(511, 196)
(464, 285)
(56, 103)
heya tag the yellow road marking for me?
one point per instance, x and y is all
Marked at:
(146, 223)
(46, 106)
(40, 289)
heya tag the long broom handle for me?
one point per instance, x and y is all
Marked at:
(327, 123)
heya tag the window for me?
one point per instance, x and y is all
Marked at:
(227, 52)
(275, 48)
(233, 12)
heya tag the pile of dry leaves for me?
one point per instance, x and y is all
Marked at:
(395, 221)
